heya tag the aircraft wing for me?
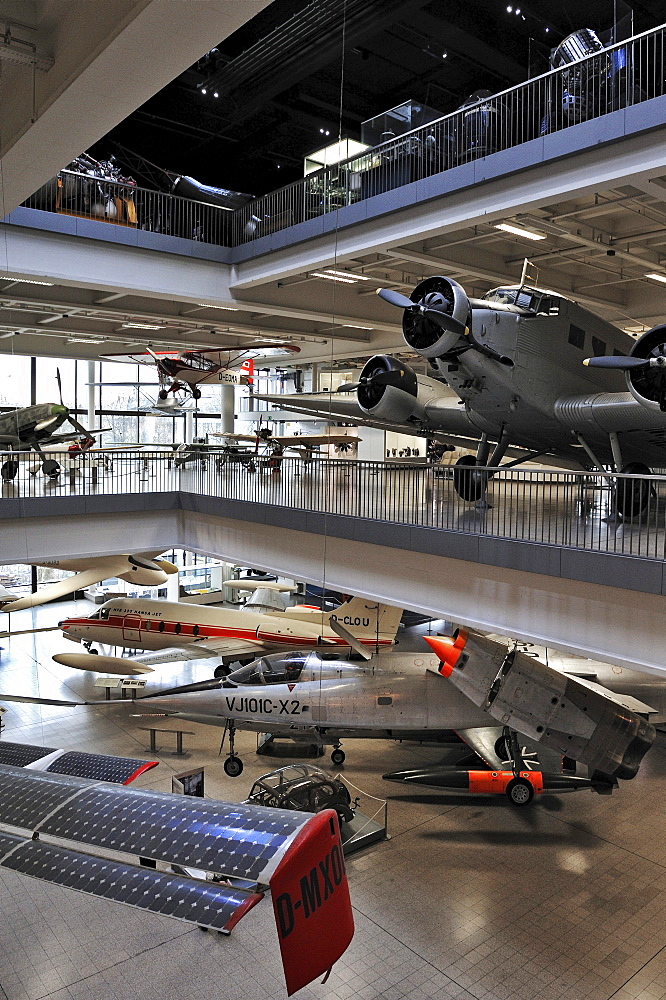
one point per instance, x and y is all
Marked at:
(449, 423)
(119, 770)
(483, 742)
(72, 583)
(71, 831)
(260, 349)
(228, 649)
(141, 357)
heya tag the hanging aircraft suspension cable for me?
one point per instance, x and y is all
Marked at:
(333, 314)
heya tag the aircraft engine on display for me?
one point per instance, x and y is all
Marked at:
(645, 368)
(563, 712)
(389, 389)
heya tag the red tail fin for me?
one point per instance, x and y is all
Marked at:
(311, 902)
(247, 369)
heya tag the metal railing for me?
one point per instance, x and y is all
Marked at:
(568, 509)
(624, 74)
(628, 73)
(77, 194)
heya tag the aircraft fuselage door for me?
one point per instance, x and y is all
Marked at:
(131, 625)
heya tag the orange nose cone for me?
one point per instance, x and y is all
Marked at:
(447, 649)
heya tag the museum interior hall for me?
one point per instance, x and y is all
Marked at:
(333, 426)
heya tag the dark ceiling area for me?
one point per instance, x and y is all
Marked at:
(278, 79)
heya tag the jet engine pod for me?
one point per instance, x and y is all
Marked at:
(578, 719)
(388, 389)
(441, 322)
(648, 382)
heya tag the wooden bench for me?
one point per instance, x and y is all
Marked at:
(179, 737)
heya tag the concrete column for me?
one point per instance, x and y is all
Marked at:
(189, 427)
(227, 400)
(314, 380)
(172, 586)
(372, 444)
(91, 395)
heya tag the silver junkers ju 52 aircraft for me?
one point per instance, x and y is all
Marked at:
(537, 375)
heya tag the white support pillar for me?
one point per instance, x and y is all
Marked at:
(372, 444)
(173, 587)
(91, 395)
(189, 427)
(314, 378)
(227, 400)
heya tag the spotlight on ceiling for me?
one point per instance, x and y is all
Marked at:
(203, 90)
(657, 277)
(215, 94)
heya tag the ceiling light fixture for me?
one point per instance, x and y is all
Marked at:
(657, 277)
(142, 326)
(82, 340)
(203, 90)
(207, 305)
(332, 277)
(25, 281)
(357, 326)
(517, 231)
(347, 274)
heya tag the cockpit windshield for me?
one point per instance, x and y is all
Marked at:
(280, 668)
(537, 301)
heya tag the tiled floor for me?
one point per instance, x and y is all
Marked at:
(548, 507)
(470, 898)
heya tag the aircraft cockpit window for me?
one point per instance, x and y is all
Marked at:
(503, 296)
(276, 669)
(103, 613)
(97, 614)
(200, 361)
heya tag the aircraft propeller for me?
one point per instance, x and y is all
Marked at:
(430, 306)
(624, 364)
(59, 381)
(393, 377)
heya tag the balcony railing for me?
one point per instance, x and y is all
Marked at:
(622, 75)
(566, 509)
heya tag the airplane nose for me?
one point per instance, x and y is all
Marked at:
(447, 649)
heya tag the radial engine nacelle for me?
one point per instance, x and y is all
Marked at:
(556, 709)
(648, 383)
(388, 389)
(440, 320)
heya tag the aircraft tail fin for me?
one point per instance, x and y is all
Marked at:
(311, 902)
(247, 369)
(367, 619)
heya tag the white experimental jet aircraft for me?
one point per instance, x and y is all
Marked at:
(470, 689)
(142, 569)
(172, 632)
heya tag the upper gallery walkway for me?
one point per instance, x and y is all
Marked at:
(544, 560)
(548, 129)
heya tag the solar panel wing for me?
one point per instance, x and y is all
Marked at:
(20, 754)
(26, 797)
(102, 767)
(208, 904)
(238, 840)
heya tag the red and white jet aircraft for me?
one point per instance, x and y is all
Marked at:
(186, 370)
(172, 632)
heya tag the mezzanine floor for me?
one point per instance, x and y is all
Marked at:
(552, 508)
(468, 899)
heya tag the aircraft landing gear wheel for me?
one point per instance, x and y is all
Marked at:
(519, 792)
(469, 484)
(338, 756)
(501, 749)
(8, 471)
(196, 393)
(51, 468)
(163, 394)
(233, 766)
(633, 495)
